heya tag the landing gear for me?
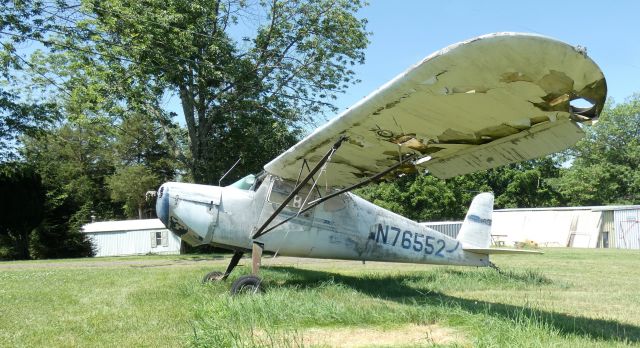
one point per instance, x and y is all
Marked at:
(494, 266)
(213, 277)
(219, 276)
(250, 284)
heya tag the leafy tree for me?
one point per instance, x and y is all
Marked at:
(606, 161)
(421, 197)
(21, 118)
(73, 161)
(21, 208)
(294, 60)
(140, 141)
(19, 114)
(427, 198)
(130, 185)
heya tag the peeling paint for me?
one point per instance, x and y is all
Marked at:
(516, 76)
(469, 90)
(452, 136)
(449, 109)
(433, 79)
(355, 142)
(556, 83)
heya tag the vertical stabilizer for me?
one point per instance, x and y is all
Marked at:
(476, 229)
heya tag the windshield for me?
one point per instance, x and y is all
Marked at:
(245, 183)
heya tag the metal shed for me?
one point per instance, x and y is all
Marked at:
(580, 227)
(132, 237)
(621, 229)
(450, 228)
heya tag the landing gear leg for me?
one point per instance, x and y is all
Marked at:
(494, 266)
(256, 257)
(250, 283)
(219, 276)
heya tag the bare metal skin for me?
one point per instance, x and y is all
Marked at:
(345, 227)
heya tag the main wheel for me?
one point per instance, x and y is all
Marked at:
(248, 284)
(213, 277)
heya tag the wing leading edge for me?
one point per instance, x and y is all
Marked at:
(479, 104)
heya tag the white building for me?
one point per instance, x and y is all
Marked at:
(132, 237)
(579, 227)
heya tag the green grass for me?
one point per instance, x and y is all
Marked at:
(567, 297)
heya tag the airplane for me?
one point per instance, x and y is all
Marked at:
(482, 103)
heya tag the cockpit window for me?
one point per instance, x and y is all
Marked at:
(245, 183)
(281, 189)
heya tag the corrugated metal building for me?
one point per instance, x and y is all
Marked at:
(626, 229)
(132, 237)
(580, 227)
(450, 228)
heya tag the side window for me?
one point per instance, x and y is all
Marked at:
(159, 238)
(281, 189)
(334, 204)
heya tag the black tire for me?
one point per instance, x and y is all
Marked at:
(248, 284)
(214, 276)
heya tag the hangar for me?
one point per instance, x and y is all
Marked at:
(579, 227)
(131, 237)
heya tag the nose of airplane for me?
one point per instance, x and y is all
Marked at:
(162, 204)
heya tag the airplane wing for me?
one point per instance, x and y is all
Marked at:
(478, 104)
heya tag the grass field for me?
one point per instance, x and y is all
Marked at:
(567, 297)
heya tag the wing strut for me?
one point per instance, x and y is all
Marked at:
(260, 231)
(263, 229)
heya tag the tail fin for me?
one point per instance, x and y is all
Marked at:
(476, 228)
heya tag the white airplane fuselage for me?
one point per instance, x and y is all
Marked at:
(344, 227)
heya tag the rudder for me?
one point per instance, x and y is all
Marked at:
(476, 228)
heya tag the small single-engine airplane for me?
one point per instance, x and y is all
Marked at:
(486, 102)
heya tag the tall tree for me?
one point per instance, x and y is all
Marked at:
(130, 185)
(74, 161)
(21, 209)
(143, 161)
(21, 112)
(606, 161)
(269, 64)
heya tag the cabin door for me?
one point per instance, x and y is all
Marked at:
(278, 192)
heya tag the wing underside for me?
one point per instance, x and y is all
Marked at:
(479, 104)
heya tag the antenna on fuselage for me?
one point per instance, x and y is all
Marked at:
(229, 171)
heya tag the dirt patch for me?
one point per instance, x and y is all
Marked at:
(413, 335)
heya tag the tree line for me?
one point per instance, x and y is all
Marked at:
(601, 169)
(86, 127)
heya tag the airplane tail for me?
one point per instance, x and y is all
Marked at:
(475, 232)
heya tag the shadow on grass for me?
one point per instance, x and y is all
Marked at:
(395, 288)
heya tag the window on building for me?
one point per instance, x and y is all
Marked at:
(159, 238)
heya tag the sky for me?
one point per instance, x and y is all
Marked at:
(405, 31)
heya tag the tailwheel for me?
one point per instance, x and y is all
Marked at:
(248, 284)
(214, 276)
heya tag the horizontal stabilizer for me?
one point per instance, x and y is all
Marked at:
(489, 251)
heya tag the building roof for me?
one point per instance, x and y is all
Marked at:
(123, 225)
